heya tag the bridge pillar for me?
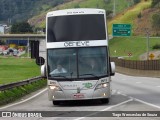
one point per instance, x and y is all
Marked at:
(34, 49)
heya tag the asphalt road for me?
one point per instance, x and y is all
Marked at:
(143, 88)
(129, 94)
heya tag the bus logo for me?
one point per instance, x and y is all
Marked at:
(87, 85)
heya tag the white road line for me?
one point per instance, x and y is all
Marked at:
(122, 94)
(80, 118)
(138, 82)
(150, 104)
(158, 86)
(24, 100)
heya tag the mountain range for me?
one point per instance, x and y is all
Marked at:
(19, 10)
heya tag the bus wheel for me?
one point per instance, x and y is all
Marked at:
(56, 102)
(106, 100)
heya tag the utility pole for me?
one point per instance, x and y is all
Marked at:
(114, 8)
(28, 47)
(147, 36)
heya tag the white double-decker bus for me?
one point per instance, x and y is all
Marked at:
(77, 61)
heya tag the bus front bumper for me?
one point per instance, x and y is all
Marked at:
(88, 94)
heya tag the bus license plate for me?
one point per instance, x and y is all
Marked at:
(78, 96)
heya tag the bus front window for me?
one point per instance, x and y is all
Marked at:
(62, 63)
(92, 62)
(74, 63)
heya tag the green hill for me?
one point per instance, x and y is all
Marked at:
(121, 5)
(130, 15)
(19, 10)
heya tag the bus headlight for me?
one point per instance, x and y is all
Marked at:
(54, 87)
(102, 85)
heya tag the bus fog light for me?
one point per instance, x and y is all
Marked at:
(104, 85)
(104, 94)
(53, 97)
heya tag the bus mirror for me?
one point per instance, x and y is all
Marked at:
(43, 71)
(113, 68)
(40, 61)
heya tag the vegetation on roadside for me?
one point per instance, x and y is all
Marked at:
(11, 95)
(21, 27)
(14, 70)
(156, 46)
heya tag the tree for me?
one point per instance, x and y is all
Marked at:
(107, 1)
(139, 15)
(156, 20)
(21, 27)
(77, 6)
(155, 2)
(136, 1)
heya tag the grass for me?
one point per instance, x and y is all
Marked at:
(17, 69)
(16, 93)
(121, 46)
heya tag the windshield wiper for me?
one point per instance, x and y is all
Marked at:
(89, 74)
(61, 76)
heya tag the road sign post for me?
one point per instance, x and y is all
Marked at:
(121, 30)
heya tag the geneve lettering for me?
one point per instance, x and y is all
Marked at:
(76, 44)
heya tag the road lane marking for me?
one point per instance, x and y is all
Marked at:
(122, 94)
(158, 86)
(110, 107)
(150, 104)
(138, 82)
(24, 100)
(135, 99)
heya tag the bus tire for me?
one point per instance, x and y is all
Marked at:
(105, 100)
(56, 102)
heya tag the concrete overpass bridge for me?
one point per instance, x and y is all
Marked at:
(22, 36)
(36, 42)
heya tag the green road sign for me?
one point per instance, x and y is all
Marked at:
(121, 30)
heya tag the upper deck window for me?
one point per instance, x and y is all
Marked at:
(76, 28)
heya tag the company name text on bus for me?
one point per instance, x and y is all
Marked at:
(76, 44)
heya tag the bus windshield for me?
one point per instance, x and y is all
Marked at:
(72, 63)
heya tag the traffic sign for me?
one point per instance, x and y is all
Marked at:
(129, 54)
(121, 30)
(151, 56)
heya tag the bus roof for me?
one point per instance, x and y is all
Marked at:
(76, 11)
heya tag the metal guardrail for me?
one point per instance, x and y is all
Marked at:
(21, 83)
(137, 64)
